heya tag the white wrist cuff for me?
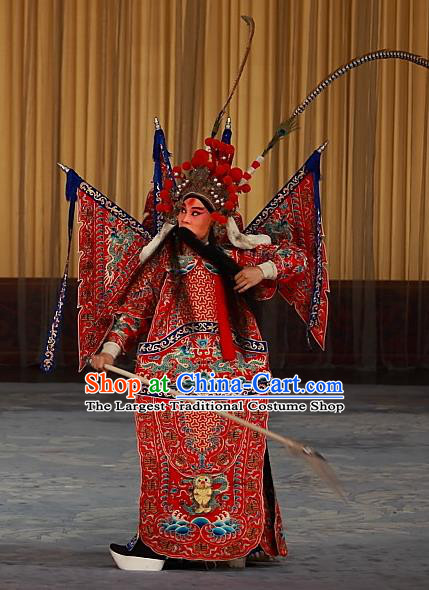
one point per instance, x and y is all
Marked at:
(111, 348)
(269, 269)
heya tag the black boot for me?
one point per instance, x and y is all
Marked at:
(136, 556)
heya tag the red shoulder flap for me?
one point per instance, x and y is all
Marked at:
(110, 242)
(294, 216)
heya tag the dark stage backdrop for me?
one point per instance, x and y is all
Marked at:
(378, 331)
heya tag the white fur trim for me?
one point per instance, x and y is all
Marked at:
(111, 348)
(150, 248)
(244, 241)
(269, 269)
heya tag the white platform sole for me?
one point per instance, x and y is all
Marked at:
(137, 564)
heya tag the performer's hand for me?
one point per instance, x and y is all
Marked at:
(99, 360)
(247, 278)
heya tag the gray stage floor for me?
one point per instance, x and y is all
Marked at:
(69, 486)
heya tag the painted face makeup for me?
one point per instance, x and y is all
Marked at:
(196, 217)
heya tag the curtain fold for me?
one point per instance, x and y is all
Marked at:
(84, 78)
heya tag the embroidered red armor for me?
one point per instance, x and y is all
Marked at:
(202, 493)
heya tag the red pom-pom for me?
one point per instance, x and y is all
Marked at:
(168, 184)
(233, 197)
(230, 149)
(255, 164)
(203, 153)
(229, 205)
(163, 208)
(236, 174)
(221, 170)
(216, 144)
(245, 188)
(200, 159)
(202, 156)
(211, 166)
(227, 180)
(164, 194)
(216, 216)
(186, 165)
(208, 141)
(177, 169)
(247, 176)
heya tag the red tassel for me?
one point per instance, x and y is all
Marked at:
(236, 174)
(216, 216)
(226, 343)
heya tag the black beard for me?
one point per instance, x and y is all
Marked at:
(227, 267)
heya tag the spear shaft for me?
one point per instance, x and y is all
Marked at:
(296, 448)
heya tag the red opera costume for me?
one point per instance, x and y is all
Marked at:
(202, 493)
(174, 284)
(206, 486)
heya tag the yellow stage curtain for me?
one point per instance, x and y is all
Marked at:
(82, 80)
